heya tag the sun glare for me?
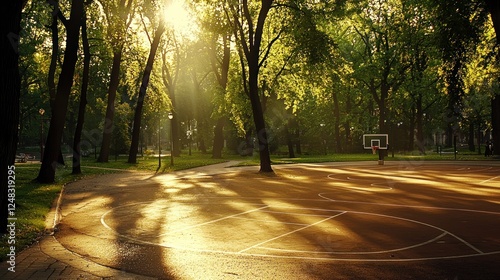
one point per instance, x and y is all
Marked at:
(180, 19)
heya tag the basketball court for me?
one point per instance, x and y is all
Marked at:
(340, 218)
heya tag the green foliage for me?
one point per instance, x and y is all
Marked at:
(328, 63)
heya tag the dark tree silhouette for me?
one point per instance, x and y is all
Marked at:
(54, 136)
(77, 153)
(10, 89)
(250, 39)
(494, 10)
(119, 19)
(132, 156)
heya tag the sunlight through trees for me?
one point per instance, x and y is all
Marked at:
(285, 77)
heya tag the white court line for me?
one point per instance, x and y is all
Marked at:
(322, 195)
(297, 214)
(491, 179)
(358, 253)
(293, 231)
(144, 242)
(429, 225)
(213, 221)
(269, 222)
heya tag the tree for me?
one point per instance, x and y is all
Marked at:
(493, 7)
(77, 153)
(132, 157)
(169, 79)
(217, 28)
(119, 17)
(381, 66)
(249, 35)
(9, 99)
(459, 25)
(53, 143)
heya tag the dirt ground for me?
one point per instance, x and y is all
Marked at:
(401, 220)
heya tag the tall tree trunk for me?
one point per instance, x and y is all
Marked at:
(132, 156)
(336, 117)
(253, 55)
(495, 123)
(53, 144)
(110, 108)
(455, 95)
(411, 136)
(420, 127)
(77, 153)
(494, 9)
(472, 145)
(298, 146)
(222, 78)
(347, 124)
(218, 144)
(51, 77)
(289, 138)
(10, 92)
(479, 138)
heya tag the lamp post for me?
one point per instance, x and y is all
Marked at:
(41, 111)
(171, 117)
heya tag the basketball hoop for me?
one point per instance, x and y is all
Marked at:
(374, 149)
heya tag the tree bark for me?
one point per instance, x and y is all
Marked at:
(53, 143)
(495, 123)
(472, 145)
(110, 108)
(252, 55)
(10, 92)
(420, 126)
(494, 9)
(132, 156)
(51, 77)
(218, 144)
(222, 78)
(77, 153)
(336, 117)
(289, 138)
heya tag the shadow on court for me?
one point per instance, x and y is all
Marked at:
(310, 221)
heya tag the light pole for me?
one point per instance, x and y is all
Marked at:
(41, 111)
(171, 117)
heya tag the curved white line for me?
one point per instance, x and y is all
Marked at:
(359, 253)
(480, 253)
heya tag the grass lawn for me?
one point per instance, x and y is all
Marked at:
(33, 200)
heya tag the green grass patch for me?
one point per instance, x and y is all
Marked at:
(33, 202)
(151, 163)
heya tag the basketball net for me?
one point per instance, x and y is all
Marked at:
(374, 149)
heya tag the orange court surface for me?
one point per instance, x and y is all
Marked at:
(401, 220)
